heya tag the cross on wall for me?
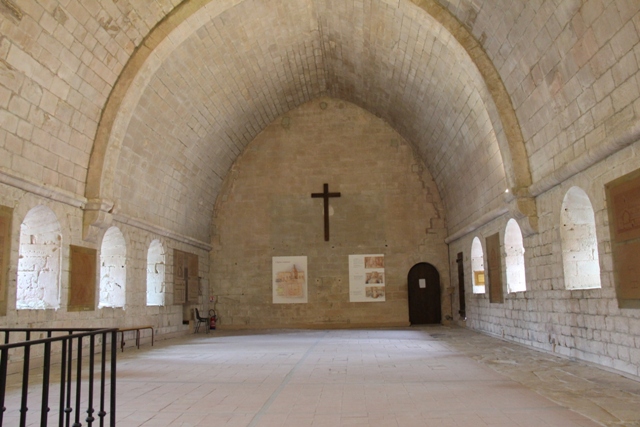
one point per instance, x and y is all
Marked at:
(325, 195)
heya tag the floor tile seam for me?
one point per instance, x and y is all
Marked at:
(521, 353)
(457, 410)
(285, 381)
(368, 382)
(396, 383)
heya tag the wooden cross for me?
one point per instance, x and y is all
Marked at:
(325, 195)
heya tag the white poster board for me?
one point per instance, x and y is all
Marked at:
(289, 279)
(366, 278)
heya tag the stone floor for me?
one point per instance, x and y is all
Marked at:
(432, 376)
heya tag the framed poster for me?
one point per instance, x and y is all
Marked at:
(366, 278)
(289, 279)
(623, 206)
(82, 278)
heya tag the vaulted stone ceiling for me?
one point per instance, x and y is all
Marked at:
(550, 86)
(225, 70)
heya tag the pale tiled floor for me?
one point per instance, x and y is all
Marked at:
(434, 376)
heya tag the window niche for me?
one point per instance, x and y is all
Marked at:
(113, 271)
(580, 257)
(155, 274)
(477, 267)
(514, 259)
(38, 285)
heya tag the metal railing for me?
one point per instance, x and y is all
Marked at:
(75, 391)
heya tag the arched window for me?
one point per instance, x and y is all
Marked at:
(113, 271)
(514, 248)
(155, 274)
(477, 266)
(39, 261)
(579, 242)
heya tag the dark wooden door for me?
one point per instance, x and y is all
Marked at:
(424, 294)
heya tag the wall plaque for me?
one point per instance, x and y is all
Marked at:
(186, 282)
(6, 214)
(623, 205)
(82, 279)
(179, 279)
(193, 280)
(494, 261)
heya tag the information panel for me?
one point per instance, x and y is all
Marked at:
(290, 280)
(366, 278)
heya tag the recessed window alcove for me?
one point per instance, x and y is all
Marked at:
(477, 267)
(514, 259)
(580, 258)
(155, 274)
(113, 269)
(39, 261)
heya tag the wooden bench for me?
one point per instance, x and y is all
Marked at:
(137, 329)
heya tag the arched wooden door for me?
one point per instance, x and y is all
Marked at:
(424, 294)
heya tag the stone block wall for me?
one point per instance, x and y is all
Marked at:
(571, 69)
(584, 324)
(167, 320)
(58, 63)
(389, 205)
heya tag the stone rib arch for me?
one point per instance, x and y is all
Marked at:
(189, 17)
(515, 159)
(124, 96)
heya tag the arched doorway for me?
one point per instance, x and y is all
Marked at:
(424, 294)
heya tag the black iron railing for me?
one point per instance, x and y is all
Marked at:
(81, 379)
